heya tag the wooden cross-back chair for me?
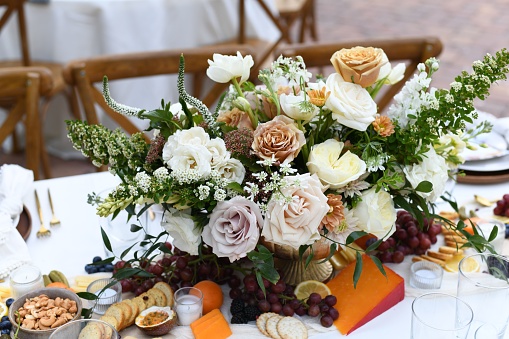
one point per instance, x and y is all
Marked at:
(84, 75)
(303, 11)
(23, 86)
(410, 50)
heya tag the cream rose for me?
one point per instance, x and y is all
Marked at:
(224, 68)
(218, 150)
(292, 107)
(195, 136)
(297, 222)
(234, 228)
(360, 65)
(351, 105)
(235, 118)
(326, 162)
(191, 157)
(376, 213)
(432, 168)
(180, 226)
(232, 170)
(280, 138)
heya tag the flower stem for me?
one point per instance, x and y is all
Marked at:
(249, 111)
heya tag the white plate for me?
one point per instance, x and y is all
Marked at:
(496, 146)
(491, 165)
(486, 213)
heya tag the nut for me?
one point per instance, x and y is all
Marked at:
(44, 313)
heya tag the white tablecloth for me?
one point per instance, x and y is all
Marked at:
(78, 240)
(64, 30)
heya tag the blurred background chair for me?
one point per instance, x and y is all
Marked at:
(303, 12)
(23, 87)
(86, 76)
(15, 9)
(412, 51)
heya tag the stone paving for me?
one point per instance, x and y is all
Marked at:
(468, 30)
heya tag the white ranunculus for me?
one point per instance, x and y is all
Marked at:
(333, 169)
(297, 222)
(396, 74)
(376, 213)
(191, 157)
(218, 150)
(433, 168)
(180, 226)
(224, 68)
(292, 107)
(351, 105)
(194, 136)
(232, 170)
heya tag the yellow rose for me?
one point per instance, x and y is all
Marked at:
(360, 65)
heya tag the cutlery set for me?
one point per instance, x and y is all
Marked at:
(43, 231)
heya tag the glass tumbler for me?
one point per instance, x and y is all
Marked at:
(440, 315)
(483, 284)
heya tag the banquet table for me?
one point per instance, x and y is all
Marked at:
(65, 30)
(77, 240)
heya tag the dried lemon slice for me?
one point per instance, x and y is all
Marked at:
(305, 288)
(469, 265)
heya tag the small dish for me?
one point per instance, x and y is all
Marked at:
(156, 320)
(426, 275)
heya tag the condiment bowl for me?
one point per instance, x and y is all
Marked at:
(156, 320)
(52, 293)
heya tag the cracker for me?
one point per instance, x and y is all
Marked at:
(107, 331)
(292, 328)
(92, 331)
(262, 321)
(271, 326)
(159, 296)
(111, 320)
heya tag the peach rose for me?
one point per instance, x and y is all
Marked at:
(235, 118)
(280, 138)
(360, 65)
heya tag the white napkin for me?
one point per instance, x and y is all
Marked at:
(499, 132)
(15, 182)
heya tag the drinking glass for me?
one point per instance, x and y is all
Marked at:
(440, 316)
(486, 290)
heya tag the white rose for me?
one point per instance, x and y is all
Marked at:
(218, 150)
(351, 105)
(433, 168)
(232, 170)
(180, 226)
(333, 169)
(291, 105)
(388, 74)
(224, 68)
(193, 136)
(191, 157)
(376, 213)
(296, 223)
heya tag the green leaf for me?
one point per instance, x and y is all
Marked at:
(106, 240)
(378, 264)
(236, 187)
(259, 279)
(309, 259)
(126, 251)
(358, 269)
(268, 272)
(128, 272)
(354, 236)
(424, 186)
(87, 295)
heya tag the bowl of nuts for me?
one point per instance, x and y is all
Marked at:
(39, 313)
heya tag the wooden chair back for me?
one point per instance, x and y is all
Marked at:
(24, 86)
(412, 51)
(13, 7)
(84, 75)
(294, 11)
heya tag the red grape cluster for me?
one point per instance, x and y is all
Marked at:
(502, 207)
(279, 298)
(408, 238)
(179, 269)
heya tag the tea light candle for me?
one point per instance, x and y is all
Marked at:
(104, 298)
(25, 279)
(425, 274)
(189, 305)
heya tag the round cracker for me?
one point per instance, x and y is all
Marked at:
(291, 328)
(271, 326)
(262, 321)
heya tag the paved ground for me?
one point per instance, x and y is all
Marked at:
(468, 29)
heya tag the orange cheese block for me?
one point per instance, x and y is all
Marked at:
(213, 325)
(373, 295)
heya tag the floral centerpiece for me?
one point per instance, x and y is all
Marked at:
(292, 161)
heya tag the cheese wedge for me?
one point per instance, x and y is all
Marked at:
(373, 295)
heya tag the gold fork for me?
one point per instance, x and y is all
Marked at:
(54, 220)
(43, 231)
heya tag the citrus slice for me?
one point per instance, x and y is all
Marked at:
(3, 309)
(469, 265)
(305, 288)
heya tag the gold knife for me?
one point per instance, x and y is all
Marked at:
(42, 230)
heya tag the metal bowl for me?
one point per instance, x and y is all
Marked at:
(51, 293)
